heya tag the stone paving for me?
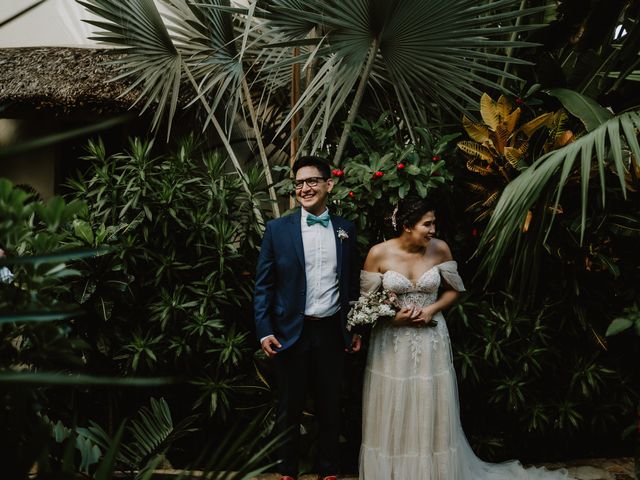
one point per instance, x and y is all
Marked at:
(591, 469)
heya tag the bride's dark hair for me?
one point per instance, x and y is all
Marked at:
(410, 210)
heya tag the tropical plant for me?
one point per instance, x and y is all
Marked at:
(214, 46)
(498, 148)
(536, 379)
(381, 168)
(592, 48)
(610, 144)
(416, 53)
(173, 297)
(42, 351)
(150, 437)
(202, 49)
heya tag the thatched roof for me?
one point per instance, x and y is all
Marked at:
(61, 81)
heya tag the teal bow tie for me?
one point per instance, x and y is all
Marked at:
(321, 219)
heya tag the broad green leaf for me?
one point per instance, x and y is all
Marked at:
(583, 107)
(62, 379)
(618, 325)
(36, 317)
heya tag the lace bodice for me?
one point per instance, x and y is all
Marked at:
(424, 292)
(427, 285)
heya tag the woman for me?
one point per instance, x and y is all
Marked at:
(411, 422)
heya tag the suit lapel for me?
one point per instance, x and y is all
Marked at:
(336, 224)
(296, 236)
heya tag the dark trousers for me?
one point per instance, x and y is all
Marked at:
(313, 364)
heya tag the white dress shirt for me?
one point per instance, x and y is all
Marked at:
(321, 268)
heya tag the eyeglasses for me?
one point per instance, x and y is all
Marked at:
(311, 181)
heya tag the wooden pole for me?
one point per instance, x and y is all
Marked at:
(295, 96)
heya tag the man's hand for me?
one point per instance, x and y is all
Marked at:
(268, 344)
(356, 344)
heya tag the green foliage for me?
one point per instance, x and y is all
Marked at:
(386, 168)
(630, 318)
(148, 437)
(173, 297)
(536, 379)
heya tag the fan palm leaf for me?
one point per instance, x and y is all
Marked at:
(599, 149)
(218, 56)
(160, 59)
(152, 58)
(427, 51)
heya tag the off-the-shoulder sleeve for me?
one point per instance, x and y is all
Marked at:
(369, 281)
(449, 271)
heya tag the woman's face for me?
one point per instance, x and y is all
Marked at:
(423, 231)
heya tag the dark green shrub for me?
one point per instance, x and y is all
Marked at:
(174, 297)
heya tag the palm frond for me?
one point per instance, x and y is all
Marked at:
(428, 52)
(600, 148)
(152, 59)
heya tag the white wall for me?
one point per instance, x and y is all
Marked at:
(53, 23)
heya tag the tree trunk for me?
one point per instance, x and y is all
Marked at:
(263, 153)
(228, 148)
(355, 106)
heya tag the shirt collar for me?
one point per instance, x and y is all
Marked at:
(304, 214)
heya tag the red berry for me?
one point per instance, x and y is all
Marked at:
(400, 166)
(336, 172)
(436, 158)
(519, 101)
(474, 232)
(378, 174)
(351, 194)
(436, 174)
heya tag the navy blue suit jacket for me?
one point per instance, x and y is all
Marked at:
(281, 285)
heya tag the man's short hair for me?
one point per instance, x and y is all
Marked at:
(313, 161)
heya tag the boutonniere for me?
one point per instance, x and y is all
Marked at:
(342, 234)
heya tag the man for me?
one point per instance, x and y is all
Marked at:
(306, 275)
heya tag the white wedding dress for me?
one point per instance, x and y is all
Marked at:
(411, 423)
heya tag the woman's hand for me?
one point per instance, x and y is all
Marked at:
(406, 316)
(425, 314)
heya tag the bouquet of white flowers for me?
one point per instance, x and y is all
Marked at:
(370, 307)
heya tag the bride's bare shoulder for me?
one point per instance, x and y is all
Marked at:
(441, 250)
(376, 255)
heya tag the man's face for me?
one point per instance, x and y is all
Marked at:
(313, 198)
